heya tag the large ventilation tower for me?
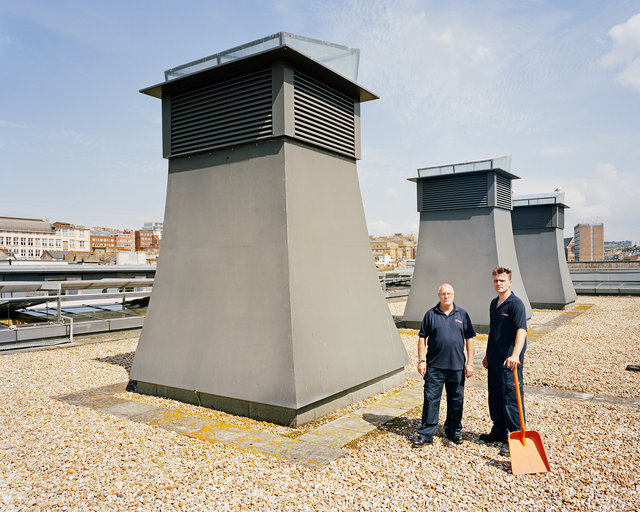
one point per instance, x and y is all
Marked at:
(266, 302)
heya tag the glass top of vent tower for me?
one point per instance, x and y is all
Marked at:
(341, 59)
(501, 162)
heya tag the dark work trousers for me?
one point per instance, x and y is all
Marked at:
(453, 381)
(503, 402)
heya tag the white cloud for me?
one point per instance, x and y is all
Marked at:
(558, 150)
(423, 62)
(626, 52)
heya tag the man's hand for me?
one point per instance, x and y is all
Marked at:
(512, 362)
(422, 368)
(468, 371)
(484, 362)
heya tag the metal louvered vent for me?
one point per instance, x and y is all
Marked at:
(453, 192)
(323, 116)
(560, 218)
(238, 109)
(503, 192)
(532, 217)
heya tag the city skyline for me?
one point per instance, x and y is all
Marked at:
(557, 87)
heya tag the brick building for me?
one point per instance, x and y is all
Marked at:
(588, 242)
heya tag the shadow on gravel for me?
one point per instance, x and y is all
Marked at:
(125, 359)
(406, 427)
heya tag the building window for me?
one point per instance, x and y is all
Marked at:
(37, 242)
(38, 252)
(58, 243)
(72, 244)
(30, 242)
(1, 240)
(23, 240)
(15, 240)
(31, 253)
(81, 244)
(23, 252)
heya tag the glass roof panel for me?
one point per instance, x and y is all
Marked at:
(341, 59)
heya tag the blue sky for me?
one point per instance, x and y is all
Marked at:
(556, 84)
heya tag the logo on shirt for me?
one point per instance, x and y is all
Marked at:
(458, 320)
(503, 314)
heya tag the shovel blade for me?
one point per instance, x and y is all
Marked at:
(529, 457)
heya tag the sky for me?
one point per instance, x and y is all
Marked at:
(555, 84)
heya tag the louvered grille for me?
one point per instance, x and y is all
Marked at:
(323, 116)
(232, 111)
(503, 192)
(530, 217)
(453, 192)
(560, 218)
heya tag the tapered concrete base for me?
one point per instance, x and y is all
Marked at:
(266, 301)
(461, 247)
(271, 413)
(544, 268)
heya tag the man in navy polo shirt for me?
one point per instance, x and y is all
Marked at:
(505, 351)
(446, 330)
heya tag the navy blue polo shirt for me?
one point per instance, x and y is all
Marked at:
(504, 322)
(446, 335)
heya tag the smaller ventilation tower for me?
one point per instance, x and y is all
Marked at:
(538, 221)
(465, 231)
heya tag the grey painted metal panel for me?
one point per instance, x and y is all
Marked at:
(343, 332)
(224, 332)
(461, 247)
(268, 327)
(543, 266)
(611, 281)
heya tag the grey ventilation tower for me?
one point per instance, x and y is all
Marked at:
(266, 301)
(465, 231)
(538, 221)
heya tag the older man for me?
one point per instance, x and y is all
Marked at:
(445, 332)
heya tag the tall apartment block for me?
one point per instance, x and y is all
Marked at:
(588, 242)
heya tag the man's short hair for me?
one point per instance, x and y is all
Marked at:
(501, 270)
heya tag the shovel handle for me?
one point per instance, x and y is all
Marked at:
(522, 430)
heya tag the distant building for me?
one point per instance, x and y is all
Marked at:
(74, 238)
(392, 249)
(156, 227)
(126, 241)
(103, 240)
(28, 238)
(143, 239)
(568, 249)
(588, 242)
(53, 255)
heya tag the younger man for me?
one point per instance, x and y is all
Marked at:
(505, 351)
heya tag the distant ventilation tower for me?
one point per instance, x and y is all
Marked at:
(465, 231)
(538, 222)
(266, 302)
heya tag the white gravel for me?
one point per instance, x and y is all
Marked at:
(57, 456)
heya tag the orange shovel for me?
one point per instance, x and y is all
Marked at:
(525, 447)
